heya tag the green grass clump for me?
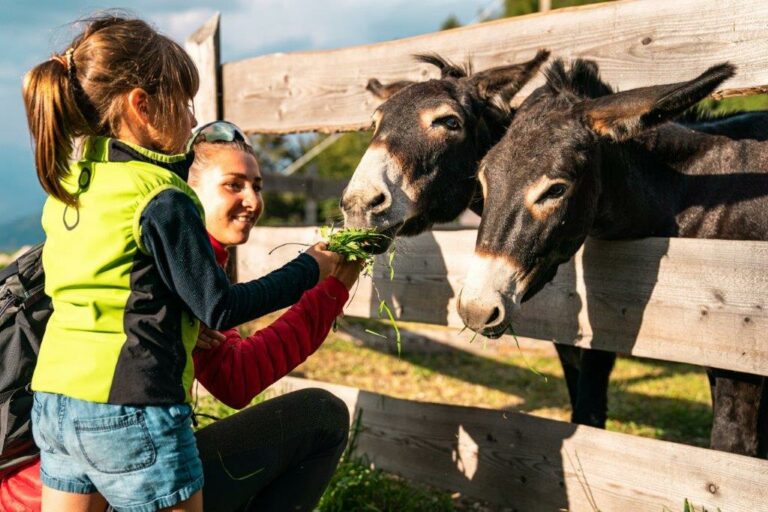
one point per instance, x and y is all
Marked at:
(356, 486)
(356, 244)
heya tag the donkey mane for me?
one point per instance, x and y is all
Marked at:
(446, 67)
(582, 80)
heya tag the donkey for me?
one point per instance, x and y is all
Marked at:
(579, 160)
(421, 168)
(428, 139)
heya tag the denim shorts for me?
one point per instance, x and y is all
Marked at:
(138, 458)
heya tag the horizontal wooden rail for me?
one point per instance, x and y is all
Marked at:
(703, 302)
(636, 43)
(534, 464)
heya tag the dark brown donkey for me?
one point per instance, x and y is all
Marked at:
(428, 139)
(581, 161)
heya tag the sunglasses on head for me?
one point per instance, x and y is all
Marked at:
(217, 131)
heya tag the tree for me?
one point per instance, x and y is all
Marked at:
(450, 22)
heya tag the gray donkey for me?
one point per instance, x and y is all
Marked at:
(579, 160)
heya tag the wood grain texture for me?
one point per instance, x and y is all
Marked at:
(636, 43)
(694, 301)
(534, 464)
(204, 48)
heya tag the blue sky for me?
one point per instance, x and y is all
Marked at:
(30, 31)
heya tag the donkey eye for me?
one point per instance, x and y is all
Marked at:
(554, 192)
(450, 122)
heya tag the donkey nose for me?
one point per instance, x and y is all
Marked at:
(377, 201)
(367, 200)
(482, 314)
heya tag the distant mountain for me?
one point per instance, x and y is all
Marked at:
(22, 231)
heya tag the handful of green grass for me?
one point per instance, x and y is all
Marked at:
(357, 244)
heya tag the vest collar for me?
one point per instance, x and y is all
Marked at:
(104, 149)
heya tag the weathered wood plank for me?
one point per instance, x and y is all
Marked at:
(204, 48)
(694, 301)
(636, 43)
(535, 464)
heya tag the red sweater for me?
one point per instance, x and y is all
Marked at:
(234, 372)
(240, 368)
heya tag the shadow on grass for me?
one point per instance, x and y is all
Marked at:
(672, 419)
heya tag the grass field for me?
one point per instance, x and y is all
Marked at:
(647, 398)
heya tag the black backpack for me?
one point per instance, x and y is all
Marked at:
(24, 314)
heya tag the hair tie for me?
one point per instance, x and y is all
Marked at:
(68, 56)
(81, 99)
(61, 59)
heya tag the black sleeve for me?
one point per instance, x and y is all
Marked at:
(174, 234)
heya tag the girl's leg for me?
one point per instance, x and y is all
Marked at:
(55, 501)
(193, 504)
(277, 455)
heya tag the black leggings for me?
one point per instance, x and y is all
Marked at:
(275, 456)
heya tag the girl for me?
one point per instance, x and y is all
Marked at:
(112, 383)
(226, 177)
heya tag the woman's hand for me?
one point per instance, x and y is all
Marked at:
(208, 338)
(326, 260)
(347, 272)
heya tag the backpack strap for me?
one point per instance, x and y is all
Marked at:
(11, 269)
(34, 295)
(5, 407)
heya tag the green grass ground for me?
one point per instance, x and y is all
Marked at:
(646, 398)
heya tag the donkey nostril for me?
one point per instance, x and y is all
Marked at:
(377, 201)
(494, 316)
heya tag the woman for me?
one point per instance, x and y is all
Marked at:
(280, 454)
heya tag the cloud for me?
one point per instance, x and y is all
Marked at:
(256, 26)
(179, 25)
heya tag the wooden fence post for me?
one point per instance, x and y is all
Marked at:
(310, 199)
(205, 49)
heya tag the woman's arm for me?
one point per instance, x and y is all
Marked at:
(239, 369)
(173, 233)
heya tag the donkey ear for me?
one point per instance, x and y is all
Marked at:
(502, 83)
(624, 115)
(382, 91)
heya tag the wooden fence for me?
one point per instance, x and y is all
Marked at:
(693, 301)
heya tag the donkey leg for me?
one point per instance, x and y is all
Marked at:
(739, 413)
(592, 403)
(762, 420)
(570, 360)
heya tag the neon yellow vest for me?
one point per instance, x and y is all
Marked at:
(117, 334)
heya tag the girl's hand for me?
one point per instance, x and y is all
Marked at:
(325, 259)
(208, 338)
(347, 272)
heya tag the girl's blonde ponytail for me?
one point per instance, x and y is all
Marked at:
(54, 121)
